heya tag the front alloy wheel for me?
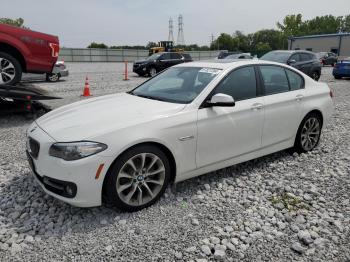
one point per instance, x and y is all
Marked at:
(53, 77)
(138, 178)
(315, 75)
(152, 71)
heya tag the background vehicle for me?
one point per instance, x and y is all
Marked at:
(342, 68)
(305, 61)
(59, 70)
(158, 62)
(164, 46)
(224, 54)
(191, 119)
(23, 50)
(239, 56)
(327, 58)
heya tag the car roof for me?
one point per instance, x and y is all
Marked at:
(226, 63)
(293, 51)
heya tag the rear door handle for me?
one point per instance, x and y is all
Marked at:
(299, 97)
(257, 106)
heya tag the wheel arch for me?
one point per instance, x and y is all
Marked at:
(314, 111)
(165, 149)
(13, 51)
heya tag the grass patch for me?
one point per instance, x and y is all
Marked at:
(289, 201)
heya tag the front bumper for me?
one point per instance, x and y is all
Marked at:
(54, 174)
(139, 69)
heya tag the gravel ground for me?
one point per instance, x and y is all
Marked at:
(280, 207)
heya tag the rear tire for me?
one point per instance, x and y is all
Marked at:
(137, 179)
(337, 77)
(52, 77)
(309, 133)
(10, 69)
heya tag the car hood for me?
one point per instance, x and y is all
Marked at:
(141, 61)
(97, 116)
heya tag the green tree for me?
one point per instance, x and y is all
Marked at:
(19, 22)
(292, 25)
(327, 24)
(223, 42)
(346, 24)
(97, 45)
(262, 48)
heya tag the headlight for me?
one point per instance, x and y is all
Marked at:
(76, 150)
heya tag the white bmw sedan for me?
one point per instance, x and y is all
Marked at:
(191, 119)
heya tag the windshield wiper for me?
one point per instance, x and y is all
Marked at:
(149, 97)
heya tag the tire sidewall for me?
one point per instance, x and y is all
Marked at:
(149, 71)
(16, 64)
(111, 194)
(297, 144)
(48, 78)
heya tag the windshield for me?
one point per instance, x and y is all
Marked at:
(177, 85)
(153, 57)
(280, 57)
(233, 56)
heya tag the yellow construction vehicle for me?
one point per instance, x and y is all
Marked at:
(164, 46)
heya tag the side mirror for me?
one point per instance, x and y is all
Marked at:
(221, 100)
(291, 62)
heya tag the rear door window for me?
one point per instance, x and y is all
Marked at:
(275, 79)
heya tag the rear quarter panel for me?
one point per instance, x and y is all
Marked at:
(317, 97)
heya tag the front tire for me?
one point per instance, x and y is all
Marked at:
(138, 178)
(152, 72)
(10, 70)
(315, 75)
(309, 133)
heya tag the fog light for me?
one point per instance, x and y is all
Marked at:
(69, 190)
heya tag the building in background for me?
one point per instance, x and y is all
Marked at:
(336, 43)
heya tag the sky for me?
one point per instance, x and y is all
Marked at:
(133, 22)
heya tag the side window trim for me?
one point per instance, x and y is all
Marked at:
(302, 79)
(257, 85)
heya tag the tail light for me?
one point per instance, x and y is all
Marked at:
(55, 48)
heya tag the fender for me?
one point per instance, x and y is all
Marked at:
(16, 43)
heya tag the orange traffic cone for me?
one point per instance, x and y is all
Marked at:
(86, 88)
(126, 71)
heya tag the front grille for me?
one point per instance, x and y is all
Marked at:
(34, 147)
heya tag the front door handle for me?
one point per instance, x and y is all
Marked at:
(299, 97)
(257, 106)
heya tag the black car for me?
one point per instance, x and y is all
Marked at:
(158, 62)
(224, 54)
(327, 58)
(305, 61)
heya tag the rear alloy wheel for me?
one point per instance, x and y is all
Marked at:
(308, 134)
(315, 75)
(10, 70)
(152, 72)
(138, 178)
(52, 77)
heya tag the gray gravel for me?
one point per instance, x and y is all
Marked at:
(280, 207)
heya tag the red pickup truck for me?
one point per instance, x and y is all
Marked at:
(24, 50)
